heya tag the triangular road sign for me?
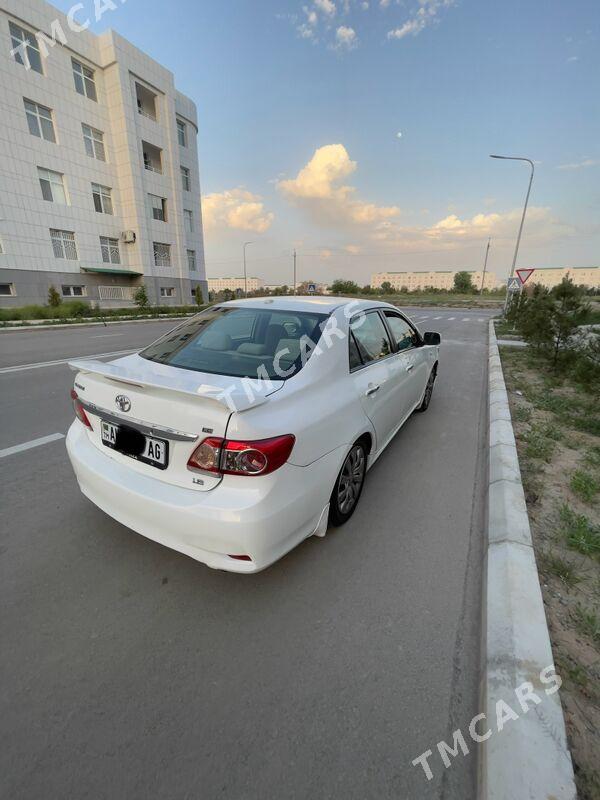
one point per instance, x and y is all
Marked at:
(524, 274)
(513, 284)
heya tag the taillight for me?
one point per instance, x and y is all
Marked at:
(79, 410)
(230, 457)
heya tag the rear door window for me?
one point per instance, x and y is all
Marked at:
(370, 336)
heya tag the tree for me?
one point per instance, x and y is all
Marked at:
(54, 299)
(387, 288)
(569, 312)
(140, 298)
(198, 296)
(463, 283)
(532, 316)
(344, 287)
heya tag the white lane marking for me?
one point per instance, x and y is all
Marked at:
(19, 448)
(21, 367)
(467, 319)
(106, 335)
(422, 318)
(437, 318)
(480, 319)
(450, 319)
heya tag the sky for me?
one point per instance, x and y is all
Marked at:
(359, 131)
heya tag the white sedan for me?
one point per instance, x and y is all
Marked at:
(251, 425)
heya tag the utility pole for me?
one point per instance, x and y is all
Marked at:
(487, 250)
(294, 270)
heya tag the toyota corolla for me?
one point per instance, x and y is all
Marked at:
(251, 425)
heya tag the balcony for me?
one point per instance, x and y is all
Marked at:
(146, 102)
(152, 157)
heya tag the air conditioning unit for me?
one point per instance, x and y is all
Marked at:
(128, 237)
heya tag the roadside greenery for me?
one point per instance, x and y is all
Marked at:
(77, 310)
(550, 322)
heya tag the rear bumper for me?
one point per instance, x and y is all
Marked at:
(263, 517)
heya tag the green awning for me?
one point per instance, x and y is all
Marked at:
(129, 273)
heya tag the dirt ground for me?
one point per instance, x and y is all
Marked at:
(557, 427)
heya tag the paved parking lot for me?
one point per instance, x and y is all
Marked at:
(132, 671)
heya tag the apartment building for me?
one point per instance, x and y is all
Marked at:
(98, 166)
(235, 284)
(436, 279)
(581, 276)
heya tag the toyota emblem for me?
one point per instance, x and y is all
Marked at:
(123, 402)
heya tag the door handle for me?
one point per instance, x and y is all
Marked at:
(372, 389)
(409, 367)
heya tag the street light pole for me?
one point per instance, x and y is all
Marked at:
(294, 270)
(245, 273)
(514, 263)
(487, 250)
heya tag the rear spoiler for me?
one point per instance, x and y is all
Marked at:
(233, 397)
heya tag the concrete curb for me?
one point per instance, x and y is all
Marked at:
(529, 758)
(44, 325)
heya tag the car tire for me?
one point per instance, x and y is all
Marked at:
(349, 485)
(428, 391)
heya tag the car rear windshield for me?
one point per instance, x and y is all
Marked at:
(242, 342)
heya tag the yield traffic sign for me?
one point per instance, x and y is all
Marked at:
(513, 284)
(524, 274)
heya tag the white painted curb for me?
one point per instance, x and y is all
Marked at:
(529, 758)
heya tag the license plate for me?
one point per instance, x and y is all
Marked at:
(136, 445)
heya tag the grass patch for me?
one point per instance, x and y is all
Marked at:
(579, 533)
(584, 485)
(561, 569)
(522, 414)
(587, 623)
(538, 444)
(592, 456)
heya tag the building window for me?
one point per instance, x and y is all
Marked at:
(93, 141)
(25, 48)
(185, 178)
(188, 220)
(110, 250)
(152, 157)
(162, 254)
(102, 199)
(7, 290)
(159, 207)
(167, 291)
(63, 244)
(39, 119)
(191, 257)
(84, 80)
(182, 133)
(73, 291)
(53, 187)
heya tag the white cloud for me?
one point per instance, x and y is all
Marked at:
(236, 208)
(571, 59)
(345, 38)
(319, 188)
(587, 162)
(327, 7)
(451, 231)
(384, 3)
(425, 15)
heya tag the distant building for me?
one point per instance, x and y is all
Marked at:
(220, 284)
(100, 185)
(435, 279)
(581, 276)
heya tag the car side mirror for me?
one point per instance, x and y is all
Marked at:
(431, 338)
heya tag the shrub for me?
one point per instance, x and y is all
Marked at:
(54, 299)
(140, 298)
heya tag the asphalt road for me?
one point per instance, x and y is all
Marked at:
(131, 671)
